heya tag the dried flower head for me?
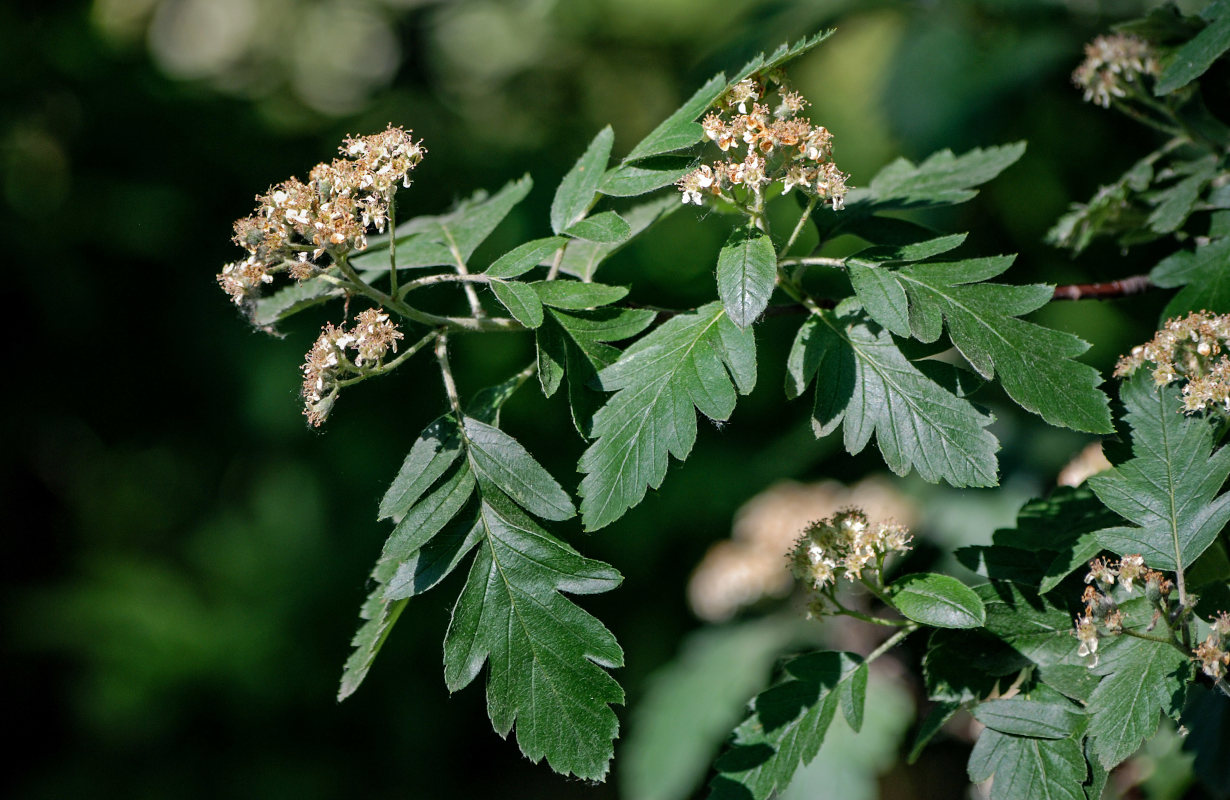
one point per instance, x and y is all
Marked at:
(1131, 569)
(1212, 657)
(1087, 633)
(296, 223)
(1192, 349)
(1111, 63)
(780, 146)
(371, 337)
(845, 544)
(747, 568)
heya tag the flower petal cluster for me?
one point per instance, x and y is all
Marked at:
(1192, 349)
(746, 568)
(1102, 613)
(295, 223)
(1112, 62)
(845, 544)
(777, 145)
(370, 337)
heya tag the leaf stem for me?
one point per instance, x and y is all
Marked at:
(393, 246)
(891, 642)
(476, 308)
(812, 261)
(356, 284)
(553, 273)
(442, 277)
(849, 612)
(798, 228)
(446, 375)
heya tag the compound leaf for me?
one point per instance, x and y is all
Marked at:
(1203, 275)
(682, 365)
(870, 386)
(545, 654)
(1169, 488)
(1034, 364)
(1024, 768)
(1142, 679)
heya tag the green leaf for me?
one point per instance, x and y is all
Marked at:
(379, 617)
(784, 52)
(606, 228)
(584, 351)
(785, 729)
(523, 258)
(1022, 768)
(1204, 275)
(1142, 679)
(420, 570)
(582, 258)
(1034, 626)
(428, 517)
(1033, 363)
(576, 295)
(907, 252)
(657, 382)
(943, 179)
(290, 300)
(870, 386)
(460, 231)
(691, 704)
(1195, 57)
(521, 301)
(1169, 488)
(746, 273)
(437, 447)
(630, 180)
(500, 461)
(551, 356)
(680, 129)
(545, 654)
(937, 600)
(579, 187)
(1021, 717)
(1176, 202)
(853, 697)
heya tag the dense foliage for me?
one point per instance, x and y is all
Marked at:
(1104, 609)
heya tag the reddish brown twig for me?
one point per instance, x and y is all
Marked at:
(1120, 288)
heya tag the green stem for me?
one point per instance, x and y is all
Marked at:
(443, 277)
(814, 261)
(891, 642)
(476, 308)
(392, 365)
(393, 246)
(1159, 639)
(472, 325)
(849, 612)
(798, 228)
(558, 261)
(446, 374)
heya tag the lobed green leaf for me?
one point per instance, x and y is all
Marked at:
(658, 381)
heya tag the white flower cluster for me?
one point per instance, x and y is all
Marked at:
(371, 336)
(1112, 62)
(780, 146)
(844, 544)
(1191, 349)
(296, 223)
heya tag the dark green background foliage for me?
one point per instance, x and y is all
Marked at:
(183, 556)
